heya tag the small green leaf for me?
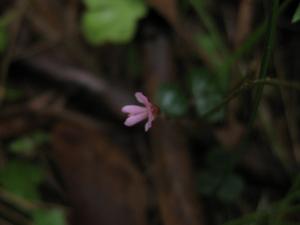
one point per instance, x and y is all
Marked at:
(22, 179)
(230, 189)
(206, 93)
(49, 217)
(111, 20)
(171, 100)
(23, 146)
(296, 17)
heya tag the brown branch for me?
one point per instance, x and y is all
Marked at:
(114, 97)
(173, 176)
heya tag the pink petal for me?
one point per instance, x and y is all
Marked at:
(134, 119)
(133, 109)
(141, 98)
(148, 125)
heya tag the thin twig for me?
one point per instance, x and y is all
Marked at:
(247, 85)
(278, 82)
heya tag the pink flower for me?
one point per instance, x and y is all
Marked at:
(138, 113)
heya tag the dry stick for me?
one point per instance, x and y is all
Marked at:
(21, 204)
(13, 215)
(45, 106)
(17, 201)
(113, 96)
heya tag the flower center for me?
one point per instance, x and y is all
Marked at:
(155, 110)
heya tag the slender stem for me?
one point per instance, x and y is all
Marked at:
(210, 26)
(277, 82)
(247, 85)
(266, 59)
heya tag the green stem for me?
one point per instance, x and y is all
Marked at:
(277, 82)
(266, 59)
(210, 26)
(247, 85)
(253, 39)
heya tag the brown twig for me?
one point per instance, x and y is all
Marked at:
(113, 96)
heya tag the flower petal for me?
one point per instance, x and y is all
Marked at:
(134, 119)
(151, 118)
(141, 98)
(133, 109)
(148, 125)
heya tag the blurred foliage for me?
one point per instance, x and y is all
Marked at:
(207, 43)
(206, 84)
(4, 25)
(3, 37)
(13, 94)
(111, 20)
(219, 180)
(172, 100)
(134, 62)
(206, 93)
(277, 213)
(54, 216)
(296, 17)
(22, 178)
(27, 145)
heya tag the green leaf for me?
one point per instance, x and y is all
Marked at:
(171, 100)
(230, 189)
(296, 17)
(54, 216)
(206, 93)
(22, 179)
(111, 20)
(24, 146)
